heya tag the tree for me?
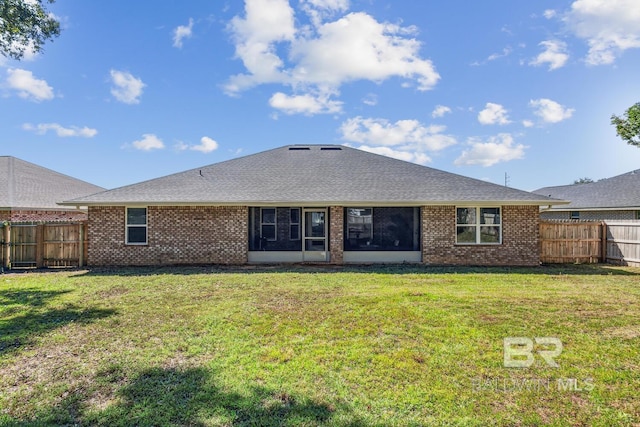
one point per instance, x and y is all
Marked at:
(628, 126)
(583, 181)
(25, 24)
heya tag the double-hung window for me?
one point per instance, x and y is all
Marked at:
(294, 224)
(268, 223)
(477, 225)
(136, 226)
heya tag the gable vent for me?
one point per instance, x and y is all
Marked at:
(299, 149)
(330, 149)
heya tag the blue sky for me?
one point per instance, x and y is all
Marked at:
(134, 90)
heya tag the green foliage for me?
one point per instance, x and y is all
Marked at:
(584, 180)
(25, 25)
(628, 126)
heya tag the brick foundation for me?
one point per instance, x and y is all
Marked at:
(176, 235)
(520, 239)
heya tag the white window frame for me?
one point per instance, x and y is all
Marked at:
(292, 223)
(574, 215)
(274, 223)
(128, 226)
(478, 225)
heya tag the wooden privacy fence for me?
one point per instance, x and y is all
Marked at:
(27, 245)
(623, 242)
(571, 242)
(617, 242)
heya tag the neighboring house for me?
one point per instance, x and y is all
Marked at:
(30, 192)
(313, 203)
(616, 198)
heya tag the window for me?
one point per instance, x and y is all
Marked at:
(574, 215)
(478, 226)
(637, 214)
(382, 229)
(294, 224)
(268, 223)
(136, 226)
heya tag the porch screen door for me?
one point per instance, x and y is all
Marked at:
(315, 235)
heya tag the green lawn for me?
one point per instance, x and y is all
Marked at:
(318, 346)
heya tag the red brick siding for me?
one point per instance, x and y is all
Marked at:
(520, 239)
(175, 235)
(336, 234)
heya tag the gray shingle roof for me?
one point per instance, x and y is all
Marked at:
(312, 175)
(622, 191)
(25, 185)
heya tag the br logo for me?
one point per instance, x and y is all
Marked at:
(518, 351)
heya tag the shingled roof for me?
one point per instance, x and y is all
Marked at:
(24, 185)
(618, 192)
(313, 175)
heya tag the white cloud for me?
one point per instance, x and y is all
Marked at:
(148, 142)
(126, 88)
(550, 13)
(550, 111)
(505, 52)
(304, 104)
(370, 100)
(493, 114)
(609, 26)
(496, 149)
(409, 134)
(206, 145)
(554, 54)
(28, 86)
(61, 131)
(326, 55)
(440, 111)
(527, 123)
(182, 32)
(408, 156)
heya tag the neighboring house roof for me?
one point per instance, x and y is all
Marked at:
(24, 185)
(313, 175)
(620, 192)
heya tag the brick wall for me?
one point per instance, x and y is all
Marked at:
(520, 239)
(43, 215)
(591, 215)
(336, 234)
(175, 235)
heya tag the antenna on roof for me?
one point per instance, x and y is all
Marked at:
(200, 172)
(506, 179)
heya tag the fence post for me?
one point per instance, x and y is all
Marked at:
(7, 243)
(80, 244)
(603, 250)
(39, 246)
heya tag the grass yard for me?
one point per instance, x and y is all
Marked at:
(318, 346)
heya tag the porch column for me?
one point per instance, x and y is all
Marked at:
(336, 234)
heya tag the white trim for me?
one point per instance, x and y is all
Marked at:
(565, 209)
(478, 226)
(380, 257)
(127, 225)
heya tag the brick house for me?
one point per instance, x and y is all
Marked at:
(616, 198)
(313, 203)
(29, 192)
